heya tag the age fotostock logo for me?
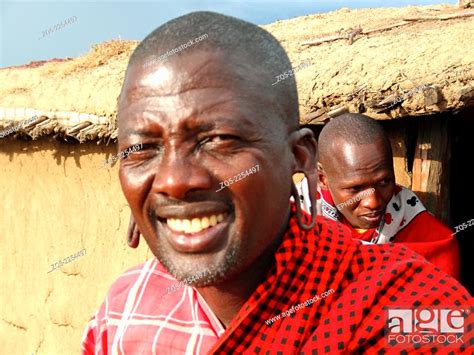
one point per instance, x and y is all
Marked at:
(430, 325)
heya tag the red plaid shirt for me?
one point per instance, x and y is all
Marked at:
(351, 283)
(139, 315)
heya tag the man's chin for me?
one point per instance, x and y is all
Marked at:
(369, 222)
(200, 270)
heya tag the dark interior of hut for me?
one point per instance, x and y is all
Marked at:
(461, 128)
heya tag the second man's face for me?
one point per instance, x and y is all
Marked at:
(362, 182)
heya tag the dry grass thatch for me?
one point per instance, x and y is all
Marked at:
(387, 63)
(75, 97)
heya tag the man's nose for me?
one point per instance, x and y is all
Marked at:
(177, 176)
(372, 200)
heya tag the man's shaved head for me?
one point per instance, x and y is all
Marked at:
(352, 128)
(232, 37)
(355, 156)
(204, 115)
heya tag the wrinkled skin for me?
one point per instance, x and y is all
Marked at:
(201, 122)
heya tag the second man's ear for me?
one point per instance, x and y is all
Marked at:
(322, 178)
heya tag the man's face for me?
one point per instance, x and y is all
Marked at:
(363, 173)
(200, 124)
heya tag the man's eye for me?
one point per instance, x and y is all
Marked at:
(355, 189)
(384, 182)
(219, 139)
(140, 150)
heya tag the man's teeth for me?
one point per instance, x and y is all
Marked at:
(194, 225)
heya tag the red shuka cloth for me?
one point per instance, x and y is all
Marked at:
(364, 280)
(332, 289)
(424, 234)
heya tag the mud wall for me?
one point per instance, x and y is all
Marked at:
(56, 200)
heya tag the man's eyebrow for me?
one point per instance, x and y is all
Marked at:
(241, 120)
(235, 122)
(347, 184)
(137, 133)
(199, 127)
(238, 121)
(360, 179)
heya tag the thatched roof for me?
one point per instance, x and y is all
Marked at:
(401, 62)
(75, 97)
(387, 63)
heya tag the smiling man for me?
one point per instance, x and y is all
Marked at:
(357, 188)
(245, 253)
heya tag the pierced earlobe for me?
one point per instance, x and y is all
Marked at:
(299, 215)
(133, 234)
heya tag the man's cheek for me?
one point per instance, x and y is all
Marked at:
(386, 199)
(352, 214)
(387, 194)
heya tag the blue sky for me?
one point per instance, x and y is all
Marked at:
(22, 23)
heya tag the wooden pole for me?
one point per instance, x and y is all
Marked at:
(398, 137)
(431, 166)
(351, 34)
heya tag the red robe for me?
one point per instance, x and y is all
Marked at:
(352, 287)
(424, 234)
(406, 221)
(428, 237)
(325, 294)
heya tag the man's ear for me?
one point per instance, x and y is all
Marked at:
(304, 148)
(322, 177)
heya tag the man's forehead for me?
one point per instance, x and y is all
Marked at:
(200, 68)
(202, 88)
(352, 159)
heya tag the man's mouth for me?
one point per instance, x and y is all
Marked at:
(198, 227)
(372, 218)
(194, 225)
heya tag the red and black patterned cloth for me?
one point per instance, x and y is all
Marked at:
(405, 221)
(366, 279)
(333, 290)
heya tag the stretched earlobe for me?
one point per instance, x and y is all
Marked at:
(133, 234)
(312, 195)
